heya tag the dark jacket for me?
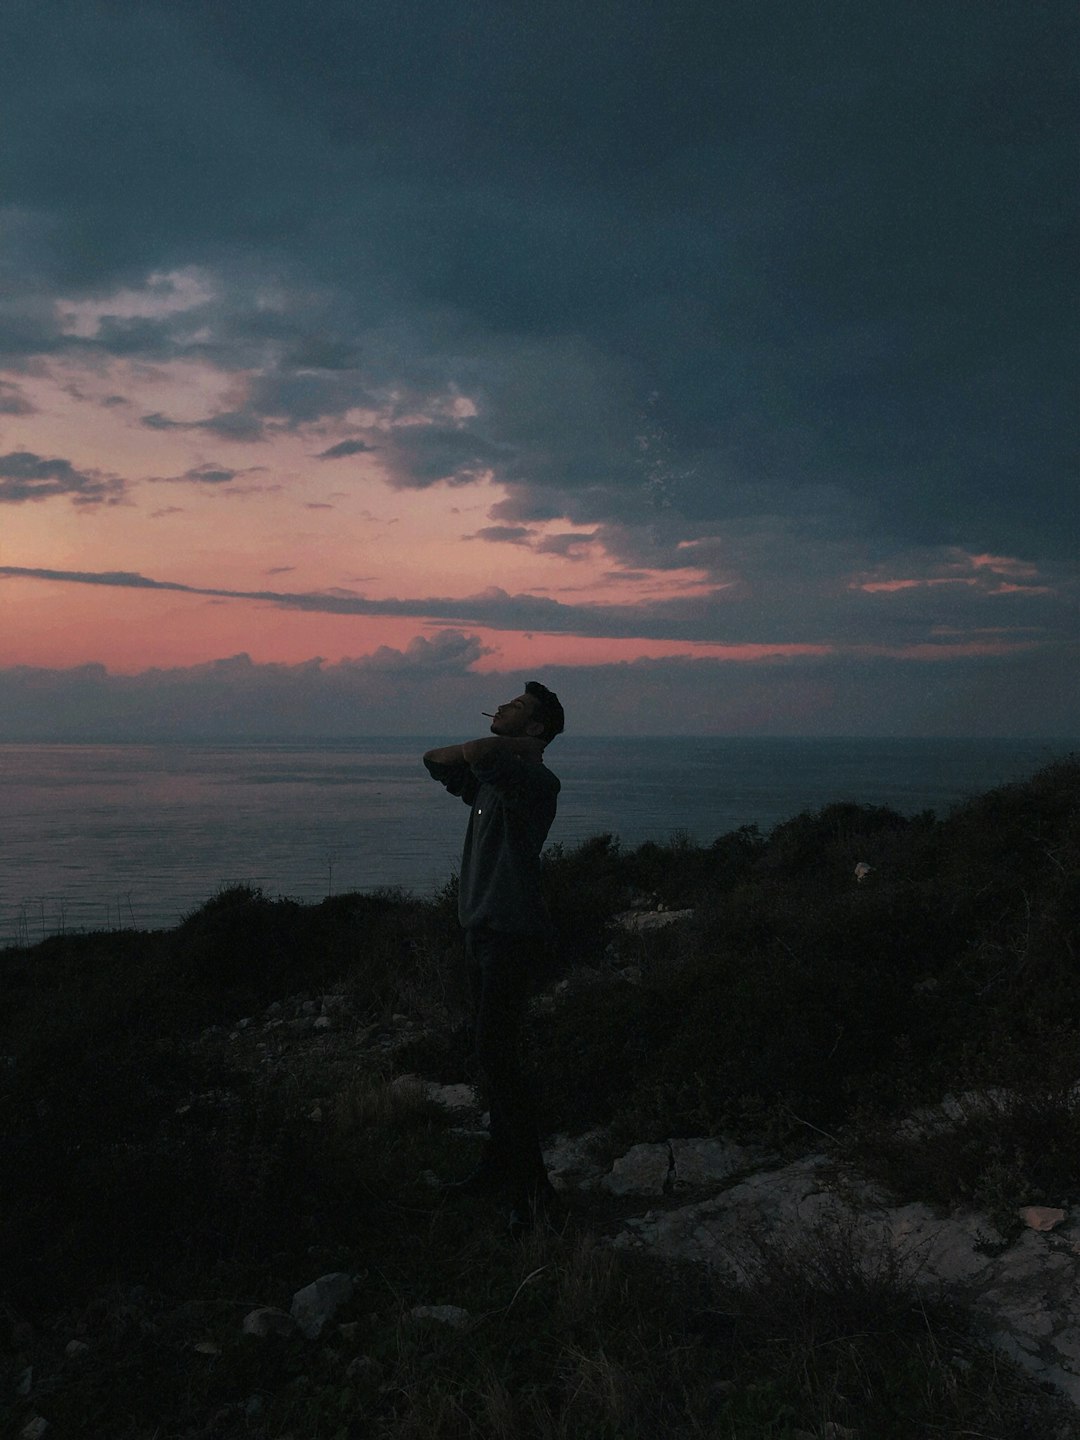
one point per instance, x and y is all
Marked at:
(512, 804)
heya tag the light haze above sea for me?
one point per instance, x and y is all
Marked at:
(102, 836)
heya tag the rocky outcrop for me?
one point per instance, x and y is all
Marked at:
(1026, 1293)
(737, 1202)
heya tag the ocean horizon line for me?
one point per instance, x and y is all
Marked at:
(571, 737)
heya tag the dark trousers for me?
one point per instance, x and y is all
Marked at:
(500, 969)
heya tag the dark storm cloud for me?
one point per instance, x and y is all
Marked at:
(25, 476)
(818, 259)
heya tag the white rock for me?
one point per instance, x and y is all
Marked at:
(1041, 1217)
(268, 1321)
(643, 1170)
(316, 1304)
(445, 1314)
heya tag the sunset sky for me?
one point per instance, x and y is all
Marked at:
(713, 362)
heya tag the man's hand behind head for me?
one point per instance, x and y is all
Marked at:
(529, 747)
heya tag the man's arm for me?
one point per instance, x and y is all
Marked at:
(475, 752)
(445, 755)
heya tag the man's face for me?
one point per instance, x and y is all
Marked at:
(517, 717)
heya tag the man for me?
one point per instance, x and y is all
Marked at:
(512, 797)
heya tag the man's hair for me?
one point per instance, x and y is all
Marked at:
(548, 710)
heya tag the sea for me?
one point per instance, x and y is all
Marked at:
(129, 835)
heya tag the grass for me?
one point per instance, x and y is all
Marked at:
(159, 1179)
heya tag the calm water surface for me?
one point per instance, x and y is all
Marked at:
(94, 836)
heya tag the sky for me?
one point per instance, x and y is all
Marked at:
(713, 363)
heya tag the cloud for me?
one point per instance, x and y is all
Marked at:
(432, 687)
(235, 696)
(419, 455)
(25, 476)
(830, 616)
(204, 474)
(706, 295)
(13, 401)
(344, 448)
(503, 534)
(227, 425)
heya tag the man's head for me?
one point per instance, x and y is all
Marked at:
(536, 711)
(548, 711)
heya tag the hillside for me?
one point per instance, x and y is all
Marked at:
(200, 1122)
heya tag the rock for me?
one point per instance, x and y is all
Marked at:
(706, 1161)
(1041, 1217)
(569, 1160)
(25, 1382)
(453, 1097)
(34, 1429)
(364, 1367)
(643, 1170)
(1028, 1293)
(445, 1315)
(637, 920)
(75, 1349)
(323, 1023)
(408, 1087)
(268, 1321)
(316, 1304)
